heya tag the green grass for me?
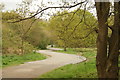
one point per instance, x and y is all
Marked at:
(85, 69)
(13, 59)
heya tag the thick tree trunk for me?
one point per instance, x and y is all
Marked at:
(107, 62)
(101, 58)
(113, 55)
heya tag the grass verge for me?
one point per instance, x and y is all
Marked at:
(13, 59)
(85, 69)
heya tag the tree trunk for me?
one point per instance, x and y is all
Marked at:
(22, 46)
(107, 62)
(101, 58)
(65, 49)
(113, 55)
(65, 45)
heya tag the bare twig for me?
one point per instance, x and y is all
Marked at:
(47, 9)
(71, 19)
(79, 21)
(30, 26)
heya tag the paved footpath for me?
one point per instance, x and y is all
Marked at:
(36, 68)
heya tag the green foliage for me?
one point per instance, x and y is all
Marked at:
(43, 44)
(110, 23)
(67, 30)
(13, 59)
(11, 42)
(85, 69)
(23, 36)
(10, 16)
(38, 35)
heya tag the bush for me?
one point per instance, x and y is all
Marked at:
(43, 44)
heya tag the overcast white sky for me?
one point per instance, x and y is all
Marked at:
(12, 4)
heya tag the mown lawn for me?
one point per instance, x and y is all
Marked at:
(13, 59)
(85, 69)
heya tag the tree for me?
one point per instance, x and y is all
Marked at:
(72, 32)
(107, 61)
(38, 35)
(24, 26)
(107, 47)
(11, 40)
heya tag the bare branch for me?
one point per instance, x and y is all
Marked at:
(89, 25)
(111, 27)
(79, 21)
(111, 13)
(71, 19)
(30, 26)
(47, 9)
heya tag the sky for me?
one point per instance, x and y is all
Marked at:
(10, 4)
(13, 4)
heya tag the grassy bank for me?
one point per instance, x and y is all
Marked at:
(85, 69)
(13, 59)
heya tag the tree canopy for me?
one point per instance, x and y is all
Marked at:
(71, 30)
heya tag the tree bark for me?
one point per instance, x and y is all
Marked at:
(107, 62)
(101, 58)
(113, 55)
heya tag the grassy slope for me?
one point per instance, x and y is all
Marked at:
(82, 70)
(13, 59)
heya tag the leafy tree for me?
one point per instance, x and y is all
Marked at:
(107, 45)
(24, 26)
(38, 36)
(15, 35)
(11, 41)
(10, 16)
(68, 34)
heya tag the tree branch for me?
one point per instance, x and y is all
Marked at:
(30, 26)
(79, 21)
(47, 9)
(94, 29)
(111, 27)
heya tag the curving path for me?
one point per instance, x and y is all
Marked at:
(36, 68)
